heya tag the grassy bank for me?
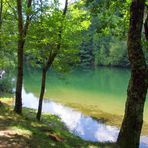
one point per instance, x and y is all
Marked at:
(25, 131)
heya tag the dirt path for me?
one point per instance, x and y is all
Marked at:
(10, 139)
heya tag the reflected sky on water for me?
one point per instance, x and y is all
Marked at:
(79, 124)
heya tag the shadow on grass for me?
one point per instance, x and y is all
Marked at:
(25, 131)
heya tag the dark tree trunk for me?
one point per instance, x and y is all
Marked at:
(18, 100)
(1, 11)
(20, 52)
(130, 131)
(41, 94)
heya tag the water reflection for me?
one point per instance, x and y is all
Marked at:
(83, 126)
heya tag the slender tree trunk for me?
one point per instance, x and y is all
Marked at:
(130, 131)
(41, 94)
(43, 83)
(20, 53)
(1, 11)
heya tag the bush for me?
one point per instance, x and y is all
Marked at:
(6, 85)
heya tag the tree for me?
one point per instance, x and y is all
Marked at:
(49, 62)
(7, 35)
(1, 12)
(129, 134)
(22, 29)
(109, 21)
(54, 37)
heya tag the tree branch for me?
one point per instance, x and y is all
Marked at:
(54, 54)
(13, 9)
(28, 18)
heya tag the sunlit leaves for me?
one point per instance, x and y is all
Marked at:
(8, 35)
(85, 24)
(43, 36)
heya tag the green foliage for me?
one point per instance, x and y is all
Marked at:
(87, 27)
(6, 85)
(8, 36)
(104, 42)
(43, 37)
(114, 53)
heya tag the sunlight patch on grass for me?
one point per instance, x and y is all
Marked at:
(21, 131)
(6, 100)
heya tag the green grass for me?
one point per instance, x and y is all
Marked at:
(25, 131)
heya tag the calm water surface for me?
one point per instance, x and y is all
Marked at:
(101, 90)
(93, 91)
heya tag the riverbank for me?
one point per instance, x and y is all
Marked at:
(60, 108)
(26, 131)
(104, 117)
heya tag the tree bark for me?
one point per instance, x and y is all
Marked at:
(1, 11)
(20, 52)
(130, 131)
(41, 94)
(43, 85)
(1, 20)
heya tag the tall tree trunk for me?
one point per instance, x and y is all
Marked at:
(20, 52)
(1, 12)
(41, 94)
(130, 131)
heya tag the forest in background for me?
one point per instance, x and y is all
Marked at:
(82, 34)
(95, 34)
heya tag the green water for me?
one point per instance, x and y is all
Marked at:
(103, 89)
